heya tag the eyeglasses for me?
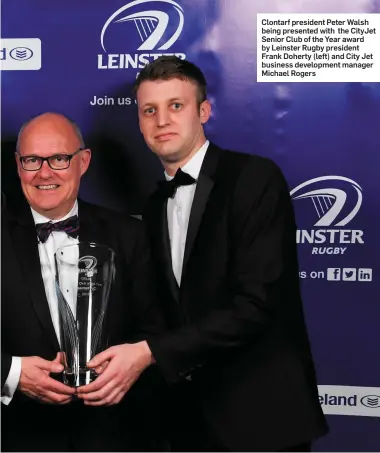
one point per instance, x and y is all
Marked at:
(55, 162)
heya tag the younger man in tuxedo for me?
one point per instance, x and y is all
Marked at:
(39, 413)
(222, 231)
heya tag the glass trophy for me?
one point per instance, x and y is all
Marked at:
(84, 274)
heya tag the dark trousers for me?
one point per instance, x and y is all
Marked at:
(74, 428)
(186, 428)
(301, 447)
(189, 431)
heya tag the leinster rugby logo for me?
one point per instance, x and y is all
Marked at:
(148, 27)
(332, 202)
(329, 202)
(87, 265)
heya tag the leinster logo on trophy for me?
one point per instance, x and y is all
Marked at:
(84, 276)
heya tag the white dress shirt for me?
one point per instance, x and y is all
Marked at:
(46, 252)
(179, 208)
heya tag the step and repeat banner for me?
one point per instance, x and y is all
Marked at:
(294, 80)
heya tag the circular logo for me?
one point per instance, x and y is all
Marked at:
(372, 401)
(151, 24)
(21, 53)
(329, 201)
(88, 263)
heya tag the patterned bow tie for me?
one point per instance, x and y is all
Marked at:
(169, 188)
(69, 226)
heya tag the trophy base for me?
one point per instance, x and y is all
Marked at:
(85, 376)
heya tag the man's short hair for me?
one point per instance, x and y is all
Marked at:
(171, 67)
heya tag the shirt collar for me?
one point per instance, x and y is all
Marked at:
(38, 218)
(193, 166)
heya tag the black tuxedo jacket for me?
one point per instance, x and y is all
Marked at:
(236, 322)
(27, 328)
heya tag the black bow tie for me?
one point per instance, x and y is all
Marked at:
(169, 188)
(69, 226)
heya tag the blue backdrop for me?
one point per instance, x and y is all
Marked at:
(324, 136)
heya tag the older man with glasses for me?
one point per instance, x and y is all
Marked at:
(39, 412)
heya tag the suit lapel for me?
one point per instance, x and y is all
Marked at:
(162, 242)
(90, 228)
(204, 187)
(166, 250)
(25, 245)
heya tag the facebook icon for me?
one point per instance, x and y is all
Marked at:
(334, 273)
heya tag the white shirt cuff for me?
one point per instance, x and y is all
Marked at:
(12, 381)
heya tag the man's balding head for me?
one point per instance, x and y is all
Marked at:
(50, 117)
